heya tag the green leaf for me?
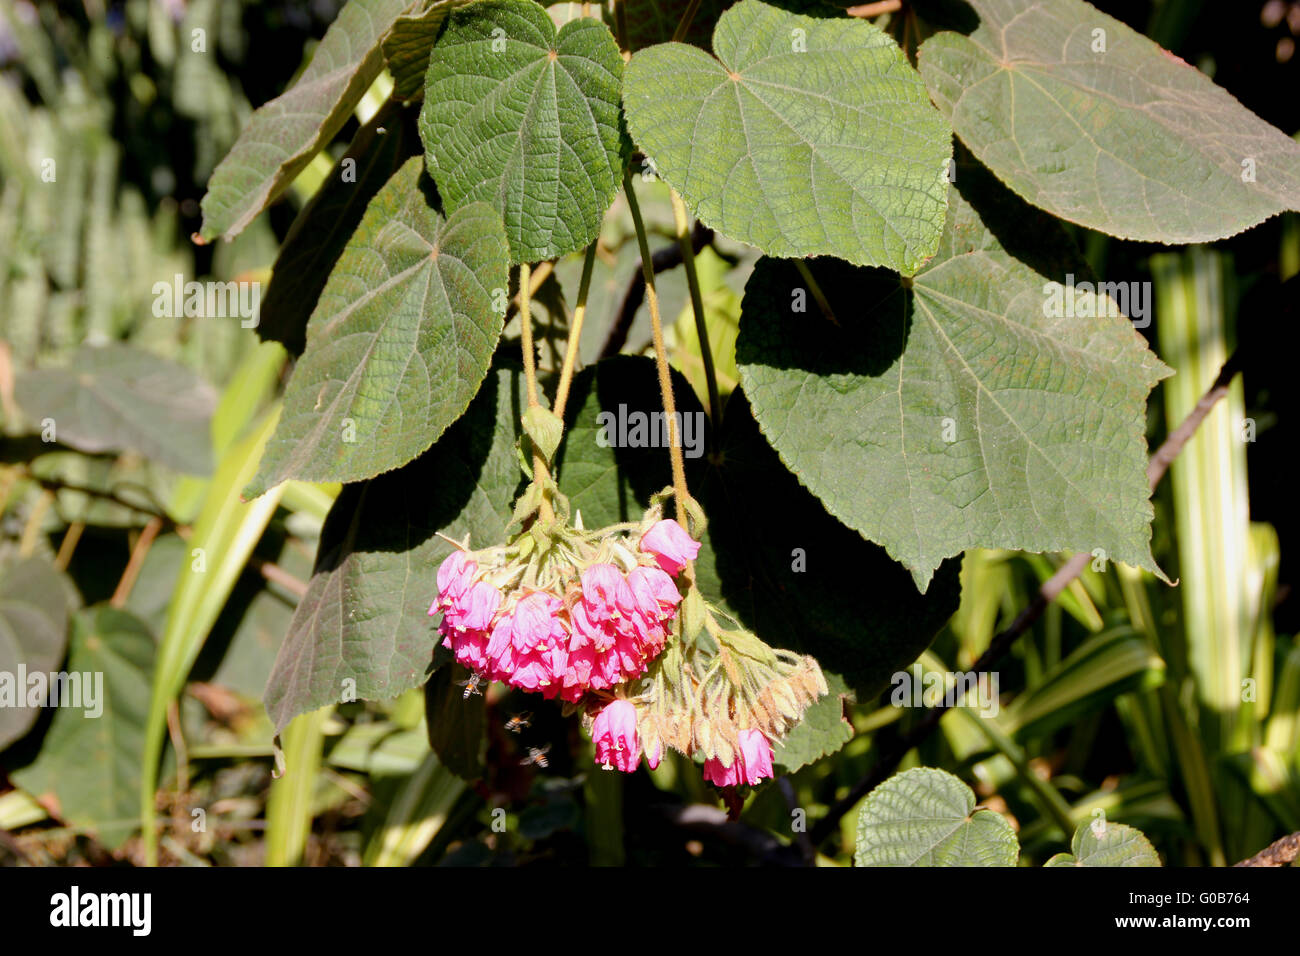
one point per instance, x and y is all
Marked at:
(923, 817)
(799, 579)
(526, 120)
(90, 762)
(457, 724)
(283, 135)
(811, 136)
(975, 419)
(119, 398)
(1113, 844)
(407, 45)
(322, 230)
(365, 614)
(1127, 139)
(34, 609)
(399, 342)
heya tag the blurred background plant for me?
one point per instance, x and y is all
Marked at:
(127, 550)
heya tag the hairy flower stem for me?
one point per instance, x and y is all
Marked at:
(683, 225)
(530, 377)
(661, 356)
(684, 24)
(575, 333)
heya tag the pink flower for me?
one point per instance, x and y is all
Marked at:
(652, 757)
(614, 732)
(671, 546)
(454, 576)
(605, 592)
(752, 764)
(473, 610)
(529, 648)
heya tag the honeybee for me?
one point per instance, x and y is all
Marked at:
(536, 755)
(471, 685)
(519, 721)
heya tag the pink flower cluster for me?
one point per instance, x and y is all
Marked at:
(602, 633)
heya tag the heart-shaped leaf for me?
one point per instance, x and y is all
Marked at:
(927, 817)
(975, 416)
(399, 342)
(283, 135)
(1095, 123)
(526, 120)
(804, 137)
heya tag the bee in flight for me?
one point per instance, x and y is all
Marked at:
(536, 755)
(518, 722)
(471, 685)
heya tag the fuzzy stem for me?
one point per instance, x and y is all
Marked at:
(530, 377)
(683, 226)
(575, 333)
(661, 356)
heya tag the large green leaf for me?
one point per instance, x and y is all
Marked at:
(282, 136)
(33, 633)
(527, 120)
(365, 615)
(1113, 844)
(322, 230)
(89, 762)
(927, 817)
(804, 137)
(1095, 123)
(399, 342)
(799, 579)
(119, 398)
(973, 417)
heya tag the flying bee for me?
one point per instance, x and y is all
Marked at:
(471, 685)
(519, 721)
(536, 755)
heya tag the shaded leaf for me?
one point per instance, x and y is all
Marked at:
(90, 759)
(457, 724)
(322, 230)
(821, 732)
(34, 608)
(283, 135)
(1126, 139)
(526, 120)
(979, 420)
(927, 817)
(119, 398)
(407, 45)
(399, 342)
(833, 149)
